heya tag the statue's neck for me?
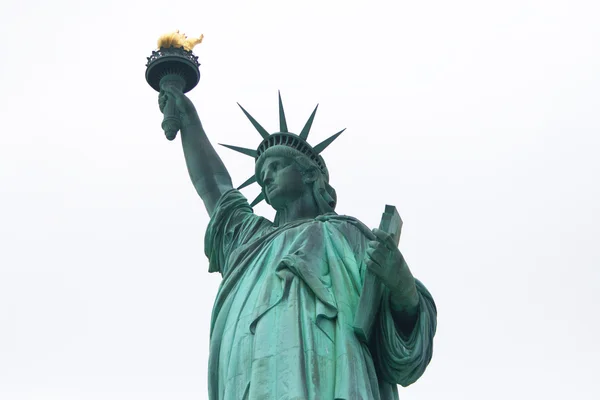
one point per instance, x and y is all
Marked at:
(304, 207)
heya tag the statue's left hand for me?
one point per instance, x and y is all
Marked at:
(385, 260)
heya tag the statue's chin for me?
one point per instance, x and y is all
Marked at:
(280, 199)
(277, 203)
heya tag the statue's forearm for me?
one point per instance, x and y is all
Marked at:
(405, 299)
(405, 316)
(207, 172)
(405, 302)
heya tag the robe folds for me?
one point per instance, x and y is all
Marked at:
(282, 322)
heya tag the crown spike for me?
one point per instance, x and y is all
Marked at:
(282, 123)
(258, 199)
(323, 145)
(248, 182)
(243, 150)
(306, 129)
(263, 132)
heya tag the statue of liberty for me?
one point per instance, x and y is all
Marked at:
(282, 322)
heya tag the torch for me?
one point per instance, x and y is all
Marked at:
(173, 64)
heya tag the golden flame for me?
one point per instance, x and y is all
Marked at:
(178, 39)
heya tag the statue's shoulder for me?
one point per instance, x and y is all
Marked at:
(348, 225)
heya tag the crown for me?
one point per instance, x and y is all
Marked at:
(287, 139)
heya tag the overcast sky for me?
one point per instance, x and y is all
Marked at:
(479, 120)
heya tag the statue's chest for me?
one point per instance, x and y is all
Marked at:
(268, 249)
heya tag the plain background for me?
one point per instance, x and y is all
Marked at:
(477, 119)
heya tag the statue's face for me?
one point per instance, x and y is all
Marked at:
(282, 181)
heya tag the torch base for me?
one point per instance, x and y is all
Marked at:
(173, 61)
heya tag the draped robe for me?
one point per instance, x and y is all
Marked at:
(282, 321)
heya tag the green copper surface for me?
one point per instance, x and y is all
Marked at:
(286, 322)
(282, 121)
(263, 132)
(306, 130)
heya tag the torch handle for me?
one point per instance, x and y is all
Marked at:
(171, 123)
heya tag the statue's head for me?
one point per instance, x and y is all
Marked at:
(287, 167)
(286, 174)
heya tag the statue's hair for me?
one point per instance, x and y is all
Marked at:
(324, 194)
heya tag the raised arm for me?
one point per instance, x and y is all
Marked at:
(207, 172)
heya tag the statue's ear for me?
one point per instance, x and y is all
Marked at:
(310, 175)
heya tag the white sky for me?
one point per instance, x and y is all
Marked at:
(477, 119)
